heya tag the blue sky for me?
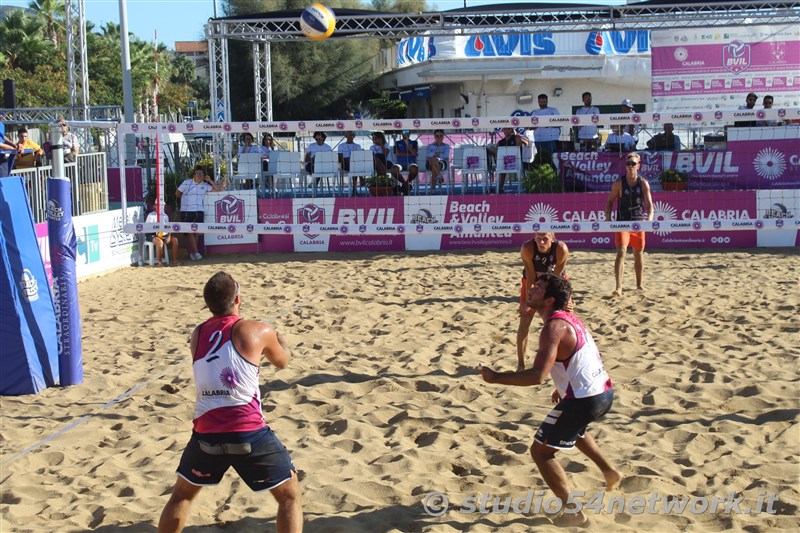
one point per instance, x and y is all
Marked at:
(183, 20)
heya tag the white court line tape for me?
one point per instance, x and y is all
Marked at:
(130, 391)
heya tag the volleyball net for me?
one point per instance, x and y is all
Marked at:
(735, 173)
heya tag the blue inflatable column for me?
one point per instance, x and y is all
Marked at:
(63, 251)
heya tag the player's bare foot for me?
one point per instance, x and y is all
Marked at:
(571, 520)
(639, 288)
(617, 293)
(613, 477)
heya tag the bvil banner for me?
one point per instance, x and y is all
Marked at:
(749, 164)
(714, 68)
(234, 207)
(346, 216)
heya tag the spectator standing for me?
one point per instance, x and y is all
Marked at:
(587, 136)
(546, 136)
(8, 151)
(249, 146)
(191, 194)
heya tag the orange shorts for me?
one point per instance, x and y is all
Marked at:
(634, 239)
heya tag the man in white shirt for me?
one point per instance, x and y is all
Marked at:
(617, 141)
(69, 141)
(587, 135)
(546, 136)
(346, 148)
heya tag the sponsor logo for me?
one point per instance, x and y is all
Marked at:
(417, 123)
(29, 286)
(359, 125)
(777, 211)
(135, 128)
(189, 127)
(476, 121)
(343, 230)
(171, 128)
(419, 228)
(227, 127)
(250, 228)
(656, 117)
(283, 126)
(697, 225)
(718, 115)
(779, 223)
(477, 228)
(717, 224)
(139, 228)
(759, 224)
(287, 228)
(310, 214)
(736, 56)
(769, 163)
(458, 228)
(362, 228)
(398, 125)
(231, 228)
(423, 216)
(401, 229)
(301, 126)
(595, 226)
(245, 126)
(576, 227)
(229, 209)
(516, 228)
(54, 211)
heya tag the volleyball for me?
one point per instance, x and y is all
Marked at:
(317, 22)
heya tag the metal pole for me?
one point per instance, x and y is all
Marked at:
(127, 84)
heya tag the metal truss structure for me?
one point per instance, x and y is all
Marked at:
(351, 24)
(77, 63)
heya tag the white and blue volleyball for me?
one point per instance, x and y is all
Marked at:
(317, 22)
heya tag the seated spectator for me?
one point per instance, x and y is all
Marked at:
(267, 146)
(318, 146)
(619, 142)
(29, 153)
(161, 238)
(666, 140)
(249, 146)
(405, 158)
(510, 138)
(380, 153)
(438, 155)
(345, 148)
(70, 142)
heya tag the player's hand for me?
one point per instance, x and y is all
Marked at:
(555, 397)
(524, 309)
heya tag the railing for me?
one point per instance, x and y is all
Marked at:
(89, 186)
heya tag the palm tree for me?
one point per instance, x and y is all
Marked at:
(54, 14)
(22, 42)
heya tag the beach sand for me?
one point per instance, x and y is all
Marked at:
(381, 404)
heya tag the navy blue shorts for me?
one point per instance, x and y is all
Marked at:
(568, 420)
(257, 456)
(192, 216)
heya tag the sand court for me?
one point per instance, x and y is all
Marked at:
(381, 407)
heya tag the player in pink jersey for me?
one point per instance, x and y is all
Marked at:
(584, 392)
(229, 428)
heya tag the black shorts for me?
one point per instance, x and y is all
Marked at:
(257, 456)
(192, 216)
(568, 420)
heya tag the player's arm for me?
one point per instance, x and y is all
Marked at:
(612, 197)
(562, 254)
(648, 199)
(545, 358)
(193, 340)
(276, 347)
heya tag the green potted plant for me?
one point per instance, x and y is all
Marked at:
(381, 185)
(673, 180)
(541, 178)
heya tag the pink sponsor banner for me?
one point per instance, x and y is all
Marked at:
(743, 165)
(350, 214)
(734, 56)
(278, 211)
(494, 216)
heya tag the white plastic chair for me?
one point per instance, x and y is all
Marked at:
(456, 167)
(474, 167)
(286, 168)
(362, 164)
(249, 169)
(148, 253)
(326, 168)
(509, 162)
